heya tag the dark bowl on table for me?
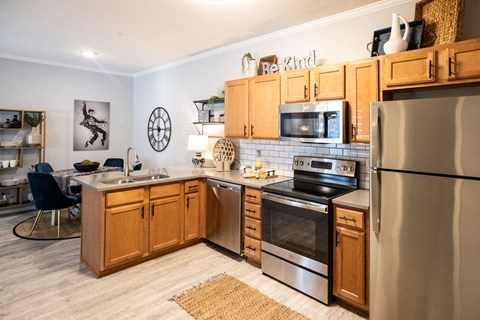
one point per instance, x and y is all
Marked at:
(86, 167)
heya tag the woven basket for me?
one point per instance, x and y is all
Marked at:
(443, 20)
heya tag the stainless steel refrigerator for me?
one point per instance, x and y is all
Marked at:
(425, 209)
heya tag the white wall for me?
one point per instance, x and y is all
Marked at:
(25, 85)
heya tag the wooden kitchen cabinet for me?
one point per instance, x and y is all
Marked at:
(125, 236)
(125, 227)
(191, 229)
(351, 255)
(252, 225)
(251, 107)
(362, 88)
(455, 63)
(314, 84)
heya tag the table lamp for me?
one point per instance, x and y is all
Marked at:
(198, 143)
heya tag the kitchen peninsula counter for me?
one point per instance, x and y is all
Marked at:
(174, 173)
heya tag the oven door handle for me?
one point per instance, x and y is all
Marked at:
(295, 202)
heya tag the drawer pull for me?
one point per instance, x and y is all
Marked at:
(349, 219)
(250, 210)
(251, 228)
(251, 196)
(251, 248)
(193, 187)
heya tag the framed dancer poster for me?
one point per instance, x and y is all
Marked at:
(90, 125)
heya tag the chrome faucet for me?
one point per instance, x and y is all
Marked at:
(127, 170)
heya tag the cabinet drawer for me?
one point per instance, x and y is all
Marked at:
(253, 210)
(252, 248)
(253, 195)
(163, 191)
(124, 197)
(192, 186)
(350, 218)
(253, 228)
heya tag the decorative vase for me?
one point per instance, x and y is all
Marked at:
(396, 43)
(252, 68)
(34, 137)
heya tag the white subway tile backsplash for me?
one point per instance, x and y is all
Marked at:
(279, 155)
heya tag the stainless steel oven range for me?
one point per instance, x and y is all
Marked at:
(297, 224)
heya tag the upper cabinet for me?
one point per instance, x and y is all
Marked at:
(251, 107)
(362, 88)
(455, 63)
(314, 84)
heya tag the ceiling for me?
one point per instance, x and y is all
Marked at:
(131, 36)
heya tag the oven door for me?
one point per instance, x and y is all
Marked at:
(296, 230)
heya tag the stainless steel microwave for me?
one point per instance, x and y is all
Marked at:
(316, 122)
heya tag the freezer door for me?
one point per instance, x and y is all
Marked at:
(427, 135)
(425, 259)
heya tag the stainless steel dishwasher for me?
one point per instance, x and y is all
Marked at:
(224, 214)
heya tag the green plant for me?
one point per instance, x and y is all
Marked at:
(33, 119)
(220, 94)
(247, 56)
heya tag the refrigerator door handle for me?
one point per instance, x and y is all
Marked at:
(374, 135)
(375, 200)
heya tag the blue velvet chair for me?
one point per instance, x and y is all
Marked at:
(45, 167)
(114, 162)
(48, 196)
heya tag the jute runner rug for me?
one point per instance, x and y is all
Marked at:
(225, 297)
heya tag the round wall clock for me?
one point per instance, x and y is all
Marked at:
(159, 129)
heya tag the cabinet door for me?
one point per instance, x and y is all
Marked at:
(236, 108)
(463, 61)
(192, 216)
(264, 102)
(165, 223)
(328, 82)
(362, 88)
(410, 68)
(124, 233)
(349, 261)
(295, 86)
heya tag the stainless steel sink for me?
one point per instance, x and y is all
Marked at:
(132, 179)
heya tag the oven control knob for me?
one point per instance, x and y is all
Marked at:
(296, 163)
(352, 169)
(344, 168)
(301, 163)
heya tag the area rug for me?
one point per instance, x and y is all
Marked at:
(44, 230)
(225, 297)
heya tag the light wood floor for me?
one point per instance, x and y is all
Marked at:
(46, 280)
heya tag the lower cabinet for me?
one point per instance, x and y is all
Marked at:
(136, 224)
(350, 279)
(252, 225)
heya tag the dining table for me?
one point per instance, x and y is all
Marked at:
(64, 178)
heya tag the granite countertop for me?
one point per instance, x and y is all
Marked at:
(174, 173)
(358, 199)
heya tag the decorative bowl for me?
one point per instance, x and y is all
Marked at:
(86, 167)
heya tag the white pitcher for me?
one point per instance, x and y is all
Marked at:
(396, 43)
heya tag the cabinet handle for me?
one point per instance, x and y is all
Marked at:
(251, 248)
(336, 239)
(430, 69)
(244, 130)
(315, 94)
(153, 210)
(143, 212)
(305, 92)
(251, 228)
(450, 62)
(349, 219)
(353, 132)
(188, 202)
(251, 130)
(193, 187)
(249, 195)
(248, 210)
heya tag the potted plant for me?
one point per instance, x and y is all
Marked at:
(211, 101)
(33, 119)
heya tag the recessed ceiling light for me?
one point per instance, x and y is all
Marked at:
(89, 53)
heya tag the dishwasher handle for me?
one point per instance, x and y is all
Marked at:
(224, 185)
